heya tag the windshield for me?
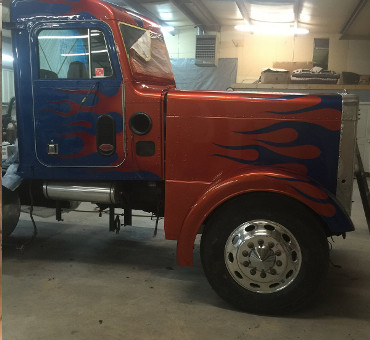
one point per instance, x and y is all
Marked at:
(147, 54)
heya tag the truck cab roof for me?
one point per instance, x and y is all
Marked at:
(62, 10)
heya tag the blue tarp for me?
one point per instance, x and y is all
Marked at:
(188, 76)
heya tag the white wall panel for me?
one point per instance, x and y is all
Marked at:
(7, 85)
(363, 135)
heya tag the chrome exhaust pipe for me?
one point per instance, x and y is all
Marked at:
(95, 192)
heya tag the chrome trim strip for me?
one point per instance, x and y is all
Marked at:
(346, 161)
(89, 47)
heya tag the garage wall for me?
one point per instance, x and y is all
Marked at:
(363, 135)
(7, 85)
(182, 44)
(359, 56)
(7, 69)
(255, 52)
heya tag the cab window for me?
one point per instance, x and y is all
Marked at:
(147, 54)
(73, 54)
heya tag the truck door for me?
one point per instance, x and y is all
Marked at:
(77, 96)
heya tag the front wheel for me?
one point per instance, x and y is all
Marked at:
(265, 253)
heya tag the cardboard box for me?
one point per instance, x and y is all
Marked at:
(275, 76)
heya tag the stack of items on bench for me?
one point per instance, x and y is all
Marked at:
(297, 73)
(306, 73)
(315, 75)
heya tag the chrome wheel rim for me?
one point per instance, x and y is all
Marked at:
(262, 256)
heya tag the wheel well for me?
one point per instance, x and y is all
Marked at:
(281, 198)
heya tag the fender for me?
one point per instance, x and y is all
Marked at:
(323, 203)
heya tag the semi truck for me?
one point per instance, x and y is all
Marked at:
(264, 177)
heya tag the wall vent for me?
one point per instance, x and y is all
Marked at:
(205, 50)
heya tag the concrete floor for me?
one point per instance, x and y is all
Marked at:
(77, 281)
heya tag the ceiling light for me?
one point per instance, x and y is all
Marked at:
(167, 29)
(7, 57)
(62, 36)
(272, 13)
(166, 16)
(272, 29)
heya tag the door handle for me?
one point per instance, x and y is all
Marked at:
(53, 149)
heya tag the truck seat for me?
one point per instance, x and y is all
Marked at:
(77, 70)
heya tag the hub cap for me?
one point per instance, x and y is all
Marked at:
(262, 256)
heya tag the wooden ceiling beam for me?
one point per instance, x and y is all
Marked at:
(352, 18)
(213, 24)
(297, 11)
(189, 14)
(243, 10)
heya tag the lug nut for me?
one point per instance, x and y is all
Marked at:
(272, 271)
(279, 263)
(263, 274)
(245, 253)
(260, 242)
(253, 271)
(278, 253)
(250, 245)
(246, 263)
(271, 245)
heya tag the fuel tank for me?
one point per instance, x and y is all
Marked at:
(96, 192)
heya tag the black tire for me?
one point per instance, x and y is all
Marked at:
(11, 211)
(265, 253)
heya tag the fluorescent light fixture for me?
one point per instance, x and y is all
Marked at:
(62, 36)
(166, 15)
(73, 54)
(79, 54)
(7, 57)
(272, 29)
(167, 29)
(272, 13)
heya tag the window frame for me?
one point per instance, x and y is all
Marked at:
(109, 56)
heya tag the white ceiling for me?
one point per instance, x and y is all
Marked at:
(350, 18)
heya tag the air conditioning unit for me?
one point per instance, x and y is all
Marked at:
(205, 50)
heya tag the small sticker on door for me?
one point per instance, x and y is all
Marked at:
(99, 72)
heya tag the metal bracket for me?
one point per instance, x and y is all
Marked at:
(58, 211)
(114, 221)
(127, 218)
